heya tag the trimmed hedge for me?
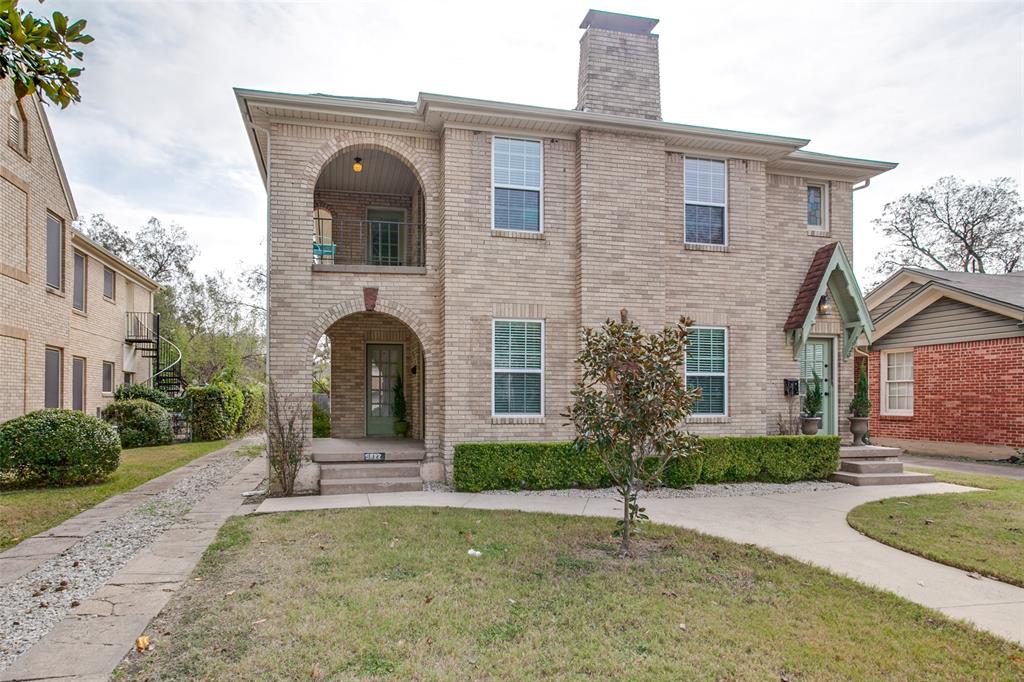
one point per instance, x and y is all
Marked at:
(153, 395)
(721, 459)
(140, 423)
(215, 410)
(58, 448)
(254, 409)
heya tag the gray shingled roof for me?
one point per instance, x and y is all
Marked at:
(1008, 289)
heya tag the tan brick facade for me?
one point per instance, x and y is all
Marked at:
(612, 237)
(33, 316)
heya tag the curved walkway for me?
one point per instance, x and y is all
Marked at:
(809, 526)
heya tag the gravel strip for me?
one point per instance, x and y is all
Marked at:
(700, 490)
(32, 605)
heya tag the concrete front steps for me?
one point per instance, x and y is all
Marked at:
(343, 469)
(874, 465)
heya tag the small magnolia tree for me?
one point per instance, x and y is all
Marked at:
(629, 405)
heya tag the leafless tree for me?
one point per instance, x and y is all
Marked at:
(954, 225)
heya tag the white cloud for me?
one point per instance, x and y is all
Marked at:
(934, 86)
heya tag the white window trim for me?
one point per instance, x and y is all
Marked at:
(495, 369)
(883, 382)
(539, 188)
(113, 283)
(724, 206)
(113, 376)
(824, 186)
(725, 374)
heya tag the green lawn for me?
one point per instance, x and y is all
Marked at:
(391, 593)
(25, 512)
(982, 531)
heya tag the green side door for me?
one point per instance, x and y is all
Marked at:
(386, 237)
(817, 357)
(383, 366)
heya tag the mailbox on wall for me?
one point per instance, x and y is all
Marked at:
(791, 387)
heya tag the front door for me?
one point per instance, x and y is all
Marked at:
(817, 357)
(383, 366)
(386, 238)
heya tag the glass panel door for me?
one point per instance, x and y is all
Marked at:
(386, 236)
(383, 366)
(817, 357)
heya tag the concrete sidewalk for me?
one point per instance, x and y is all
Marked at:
(92, 640)
(810, 527)
(965, 466)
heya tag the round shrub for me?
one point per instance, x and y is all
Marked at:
(215, 410)
(58, 447)
(139, 422)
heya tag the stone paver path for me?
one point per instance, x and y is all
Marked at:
(93, 638)
(809, 526)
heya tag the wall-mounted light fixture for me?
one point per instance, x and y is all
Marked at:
(824, 305)
(357, 167)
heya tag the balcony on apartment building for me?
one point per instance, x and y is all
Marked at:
(368, 215)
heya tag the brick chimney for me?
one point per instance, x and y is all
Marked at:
(619, 66)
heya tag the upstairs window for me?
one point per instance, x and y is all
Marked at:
(518, 362)
(517, 167)
(54, 252)
(17, 128)
(109, 284)
(79, 283)
(707, 369)
(704, 192)
(817, 204)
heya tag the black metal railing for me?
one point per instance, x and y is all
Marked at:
(381, 243)
(142, 329)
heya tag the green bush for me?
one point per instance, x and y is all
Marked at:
(58, 447)
(254, 409)
(140, 423)
(153, 395)
(720, 459)
(214, 410)
(321, 422)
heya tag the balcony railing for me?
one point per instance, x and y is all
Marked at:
(380, 243)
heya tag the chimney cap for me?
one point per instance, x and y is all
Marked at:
(613, 21)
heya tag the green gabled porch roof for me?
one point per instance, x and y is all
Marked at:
(830, 271)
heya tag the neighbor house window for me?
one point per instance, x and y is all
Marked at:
(517, 166)
(109, 284)
(704, 193)
(17, 128)
(817, 206)
(53, 381)
(518, 367)
(79, 282)
(78, 384)
(898, 382)
(54, 251)
(128, 378)
(108, 377)
(707, 369)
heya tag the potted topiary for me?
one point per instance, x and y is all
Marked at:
(401, 411)
(860, 408)
(812, 406)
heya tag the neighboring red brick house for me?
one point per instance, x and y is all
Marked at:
(946, 365)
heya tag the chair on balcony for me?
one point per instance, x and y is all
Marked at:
(321, 251)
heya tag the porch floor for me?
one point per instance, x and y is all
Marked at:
(352, 449)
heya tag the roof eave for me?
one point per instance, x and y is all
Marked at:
(82, 238)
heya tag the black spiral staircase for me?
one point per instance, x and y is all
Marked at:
(142, 330)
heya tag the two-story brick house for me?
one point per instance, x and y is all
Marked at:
(461, 244)
(64, 300)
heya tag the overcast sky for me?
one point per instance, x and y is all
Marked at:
(937, 87)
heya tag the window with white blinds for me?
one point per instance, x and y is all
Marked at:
(704, 193)
(518, 367)
(707, 369)
(898, 382)
(517, 168)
